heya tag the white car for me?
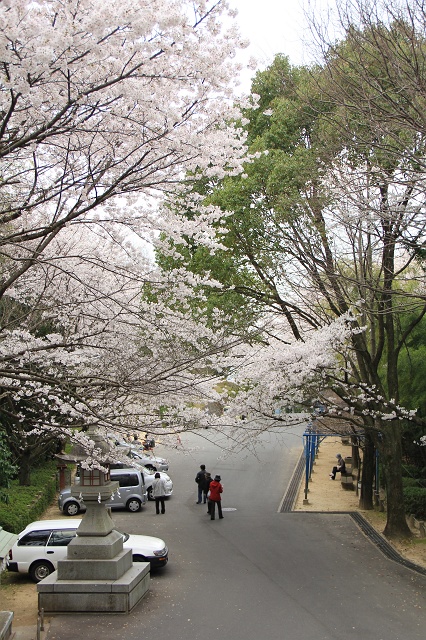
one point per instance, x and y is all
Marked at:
(137, 452)
(149, 475)
(147, 459)
(41, 544)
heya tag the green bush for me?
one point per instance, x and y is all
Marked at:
(411, 482)
(411, 471)
(415, 502)
(26, 504)
(7, 469)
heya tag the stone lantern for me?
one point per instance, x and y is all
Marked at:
(98, 575)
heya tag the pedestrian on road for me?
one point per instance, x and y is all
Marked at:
(206, 485)
(200, 479)
(340, 467)
(148, 443)
(159, 492)
(215, 498)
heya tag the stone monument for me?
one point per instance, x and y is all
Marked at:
(98, 575)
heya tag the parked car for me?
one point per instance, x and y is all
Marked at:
(41, 544)
(149, 475)
(132, 493)
(137, 452)
(148, 459)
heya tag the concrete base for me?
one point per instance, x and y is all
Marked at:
(98, 575)
(6, 618)
(95, 569)
(94, 596)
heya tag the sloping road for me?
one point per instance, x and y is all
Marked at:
(258, 573)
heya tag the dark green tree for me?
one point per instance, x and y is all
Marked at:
(327, 221)
(7, 469)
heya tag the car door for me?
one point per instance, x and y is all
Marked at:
(56, 548)
(128, 485)
(42, 544)
(31, 547)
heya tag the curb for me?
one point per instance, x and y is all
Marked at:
(287, 506)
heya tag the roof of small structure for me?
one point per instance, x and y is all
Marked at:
(340, 420)
(7, 540)
(78, 453)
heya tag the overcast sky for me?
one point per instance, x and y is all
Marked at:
(276, 26)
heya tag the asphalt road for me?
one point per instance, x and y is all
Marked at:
(258, 573)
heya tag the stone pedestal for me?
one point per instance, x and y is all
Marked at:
(94, 596)
(98, 575)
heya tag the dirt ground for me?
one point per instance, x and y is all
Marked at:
(19, 594)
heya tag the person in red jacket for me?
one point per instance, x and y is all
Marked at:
(215, 490)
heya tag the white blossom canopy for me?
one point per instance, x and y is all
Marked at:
(105, 108)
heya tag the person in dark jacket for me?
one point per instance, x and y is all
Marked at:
(200, 479)
(215, 497)
(341, 466)
(148, 443)
(206, 485)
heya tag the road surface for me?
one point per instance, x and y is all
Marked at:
(258, 573)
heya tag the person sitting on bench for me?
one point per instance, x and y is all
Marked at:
(341, 466)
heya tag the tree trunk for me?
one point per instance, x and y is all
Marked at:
(24, 474)
(367, 478)
(391, 453)
(355, 452)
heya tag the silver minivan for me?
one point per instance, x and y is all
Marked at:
(131, 494)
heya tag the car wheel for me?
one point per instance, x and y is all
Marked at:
(72, 508)
(133, 505)
(151, 466)
(40, 570)
(139, 559)
(149, 492)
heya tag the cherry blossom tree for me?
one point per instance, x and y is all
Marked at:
(106, 110)
(85, 349)
(104, 101)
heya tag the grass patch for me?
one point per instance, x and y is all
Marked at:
(26, 504)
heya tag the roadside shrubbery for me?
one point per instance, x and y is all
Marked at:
(26, 504)
(413, 471)
(415, 501)
(413, 482)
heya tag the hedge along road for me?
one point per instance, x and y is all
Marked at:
(258, 573)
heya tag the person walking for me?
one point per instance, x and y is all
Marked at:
(206, 485)
(148, 443)
(159, 492)
(200, 479)
(215, 498)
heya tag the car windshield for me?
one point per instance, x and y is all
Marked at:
(148, 472)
